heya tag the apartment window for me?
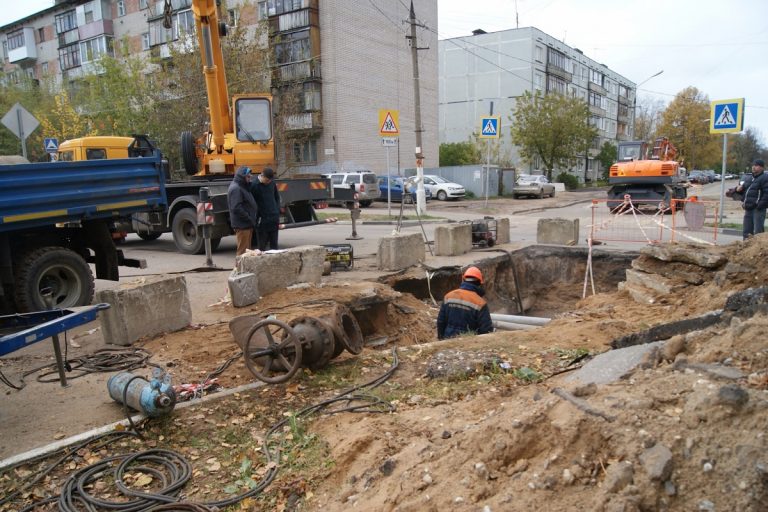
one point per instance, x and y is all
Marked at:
(623, 110)
(623, 91)
(294, 48)
(88, 12)
(234, 17)
(65, 22)
(539, 54)
(143, 4)
(44, 68)
(557, 59)
(158, 34)
(183, 24)
(538, 82)
(145, 41)
(596, 77)
(312, 97)
(595, 99)
(596, 121)
(41, 35)
(69, 57)
(305, 152)
(283, 6)
(263, 10)
(556, 84)
(15, 40)
(93, 49)
(121, 7)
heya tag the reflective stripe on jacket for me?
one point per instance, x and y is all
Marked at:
(463, 310)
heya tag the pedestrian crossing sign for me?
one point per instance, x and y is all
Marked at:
(726, 116)
(51, 145)
(388, 123)
(490, 127)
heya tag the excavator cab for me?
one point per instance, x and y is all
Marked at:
(632, 151)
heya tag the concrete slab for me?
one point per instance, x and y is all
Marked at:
(280, 269)
(453, 240)
(653, 282)
(397, 252)
(557, 231)
(612, 365)
(145, 307)
(502, 235)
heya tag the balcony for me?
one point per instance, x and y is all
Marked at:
(69, 37)
(623, 118)
(160, 51)
(557, 71)
(25, 51)
(598, 89)
(623, 100)
(596, 111)
(298, 71)
(307, 121)
(94, 29)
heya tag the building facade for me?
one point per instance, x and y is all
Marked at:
(340, 61)
(500, 67)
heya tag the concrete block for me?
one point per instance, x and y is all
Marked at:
(244, 289)
(653, 282)
(146, 307)
(502, 237)
(453, 240)
(558, 231)
(275, 271)
(400, 251)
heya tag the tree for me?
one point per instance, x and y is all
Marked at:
(459, 153)
(64, 121)
(648, 114)
(607, 157)
(686, 123)
(554, 128)
(743, 148)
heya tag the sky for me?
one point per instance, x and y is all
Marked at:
(717, 47)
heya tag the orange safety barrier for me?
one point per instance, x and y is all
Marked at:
(686, 220)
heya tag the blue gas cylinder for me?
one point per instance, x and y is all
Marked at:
(152, 397)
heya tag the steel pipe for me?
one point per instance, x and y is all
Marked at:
(530, 320)
(509, 326)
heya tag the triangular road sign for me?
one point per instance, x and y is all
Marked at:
(725, 118)
(50, 145)
(389, 125)
(489, 128)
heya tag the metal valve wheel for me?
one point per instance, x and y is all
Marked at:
(272, 351)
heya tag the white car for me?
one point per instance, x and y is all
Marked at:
(443, 189)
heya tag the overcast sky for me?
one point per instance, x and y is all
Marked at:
(718, 47)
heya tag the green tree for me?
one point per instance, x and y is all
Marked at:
(37, 98)
(607, 157)
(554, 128)
(686, 123)
(743, 148)
(648, 114)
(459, 153)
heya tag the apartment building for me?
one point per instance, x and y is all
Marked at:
(347, 59)
(499, 67)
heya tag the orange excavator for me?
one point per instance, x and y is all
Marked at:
(648, 178)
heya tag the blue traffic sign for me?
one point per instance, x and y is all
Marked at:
(490, 127)
(726, 116)
(51, 145)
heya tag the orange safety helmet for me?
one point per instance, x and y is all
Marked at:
(473, 272)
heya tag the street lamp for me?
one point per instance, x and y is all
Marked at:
(634, 101)
(652, 76)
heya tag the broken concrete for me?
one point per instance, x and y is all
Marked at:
(400, 251)
(557, 231)
(666, 331)
(303, 264)
(453, 240)
(146, 307)
(691, 274)
(612, 365)
(243, 289)
(711, 258)
(653, 282)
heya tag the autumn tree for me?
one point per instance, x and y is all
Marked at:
(648, 114)
(37, 98)
(63, 121)
(459, 153)
(553, 127)
(686, 123)
(743, 148)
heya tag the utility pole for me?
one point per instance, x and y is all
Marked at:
(421, 202)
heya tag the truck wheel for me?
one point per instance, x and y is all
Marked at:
(366, 204)
(149, 235)
(185, 233)
(62, 270)
(441, 195)
(188, 155)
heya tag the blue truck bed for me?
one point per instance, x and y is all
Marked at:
(33, 195)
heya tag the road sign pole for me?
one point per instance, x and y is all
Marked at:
(389, 186)
(487, 169)
(722, 178)
(22, 136)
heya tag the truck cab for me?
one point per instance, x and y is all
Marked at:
(104, 148)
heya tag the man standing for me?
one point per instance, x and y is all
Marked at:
(755, 191)
(242, 209)
(464, 309)
(268, 201)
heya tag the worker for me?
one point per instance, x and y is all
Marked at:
(755, 192)
(242, 209)
(464, 309)
(268, 200)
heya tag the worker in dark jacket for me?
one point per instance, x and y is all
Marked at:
(464, 309)
(755, 192)
(268, 200)
(242, 209)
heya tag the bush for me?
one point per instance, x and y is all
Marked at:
(571, 181)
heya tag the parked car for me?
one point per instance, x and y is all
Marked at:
(396, 192)
(364, 182)
(713, 176)
(696, 176)
(743, 178)
(443, 189)
(537, 186)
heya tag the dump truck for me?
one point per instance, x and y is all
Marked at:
(58, 217)
(646, 176)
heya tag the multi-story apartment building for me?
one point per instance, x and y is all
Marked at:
(501, 66)
(347, 59)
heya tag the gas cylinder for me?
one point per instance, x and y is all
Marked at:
(152, 397)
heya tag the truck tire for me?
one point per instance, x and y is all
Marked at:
(62, 270)
(366, 203)
(148, 236)
(186, 236)
(188, 155)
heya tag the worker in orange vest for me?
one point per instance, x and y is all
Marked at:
(464, 309)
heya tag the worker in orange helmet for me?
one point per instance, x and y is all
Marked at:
(464, 309)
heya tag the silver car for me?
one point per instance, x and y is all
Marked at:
(536, 186)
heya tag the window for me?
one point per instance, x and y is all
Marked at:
(183, 24)
(92, 49)
(305, 152)
(555, 84)
(595, 99)
(145, 41)
(95, 154)
(263, 10)
(557, 59)
(66, 156)
(538, 82)
(539, 54)
(312, 98)
(66, 22)
(596, 77)
(44, 68)
(253, 119)
(41, 34)
(159, 34)
(16, 40)
(89, 12)
(121, 7)
(143, 4)
(69, 57)
(294, 48)
(234, 17)
(623, 91)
